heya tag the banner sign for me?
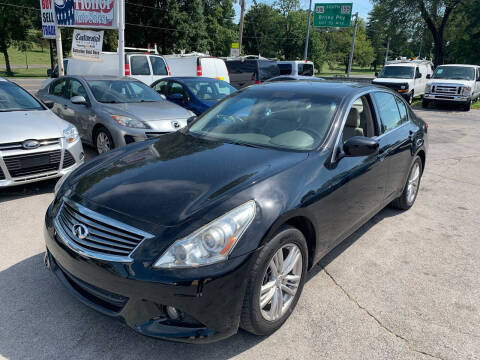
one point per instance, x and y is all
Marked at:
(235, 50)
(332, 15)
(48, 18)
(87, 45)
(86, 13)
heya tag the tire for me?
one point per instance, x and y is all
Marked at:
(410, 98)
(407, 199)
(255, 319)
(103, 140)
(467, 106)
(425, 103)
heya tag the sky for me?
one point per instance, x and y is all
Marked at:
(362, 6)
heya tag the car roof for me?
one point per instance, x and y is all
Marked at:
(296, 77)
(101, 77)
(464, 65)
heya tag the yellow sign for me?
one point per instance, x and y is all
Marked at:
(234, 45)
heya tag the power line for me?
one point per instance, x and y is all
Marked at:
(155, 27)
(20, 6)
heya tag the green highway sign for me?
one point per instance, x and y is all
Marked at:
(332, 15)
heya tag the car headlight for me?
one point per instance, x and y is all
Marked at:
(70, 134)
(129, 122)
(404, 87)
(211, 243)
(467, 90)
(60, 182)
(428, 88)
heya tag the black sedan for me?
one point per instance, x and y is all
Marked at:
(193, 234)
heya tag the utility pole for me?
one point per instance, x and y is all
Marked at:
(52, 61)
(121, 37)
(388, 49)
(58, 39)
(305, 53)
(240, 27)
(350, 60)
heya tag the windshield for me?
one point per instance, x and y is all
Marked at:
(14, 98)
(285, 119)
(122, 91)
(454, 73)
(397, 72)
(209, 89)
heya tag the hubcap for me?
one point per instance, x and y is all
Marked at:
(413, 181)
(103, 143)
(280, 282)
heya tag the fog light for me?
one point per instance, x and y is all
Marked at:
(173, 313)
(82, 156)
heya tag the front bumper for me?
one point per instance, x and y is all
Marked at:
(65, 165)
(211, 305)
(447, 98)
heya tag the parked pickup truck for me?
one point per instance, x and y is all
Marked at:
(455, 84)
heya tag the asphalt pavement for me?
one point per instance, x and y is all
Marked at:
(405, 286)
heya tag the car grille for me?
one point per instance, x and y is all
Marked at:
(31, 164)
(105, 239)
(19, 145)
(2, 175)
(68, 159)
(444, 89)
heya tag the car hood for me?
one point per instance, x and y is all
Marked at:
(149, 111)
(166, 180)
(390, 81)
(22, 125)
(453, 82)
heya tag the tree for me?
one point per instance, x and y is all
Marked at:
(434, 13)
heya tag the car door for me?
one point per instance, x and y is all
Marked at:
(161, 87)
(361, 179)
(140, 68)
(81, 113)
(419, 79)
(396, 139)
(56, 93)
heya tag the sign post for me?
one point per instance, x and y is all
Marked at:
(350, 59)
(121, 37)
(61, 70)
(307, 36)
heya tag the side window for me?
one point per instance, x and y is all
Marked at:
(176, 88)
(158, 66)
(417, 72)
(139, 65)
(161, 87)
(58, 88)
(75, 88)
(360, 120)
(305, 69)
(285, 69)
(403, 110)
(387, 110)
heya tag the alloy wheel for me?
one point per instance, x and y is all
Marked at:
(413, 182)
(103, 143)
(280, 282)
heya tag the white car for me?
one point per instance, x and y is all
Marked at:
(196, 64)
(35, 144)
(407, 77)
(454, 84)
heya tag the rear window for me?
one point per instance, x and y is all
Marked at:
(158, 66)
(268, 70)
(239, 67)
(285, 69)
(305, 69)
(139, 65)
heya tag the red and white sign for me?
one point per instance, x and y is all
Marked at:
(48, 18)
(86, 13)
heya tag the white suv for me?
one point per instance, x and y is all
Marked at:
(455, 84)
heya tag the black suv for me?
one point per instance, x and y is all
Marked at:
(245, 72)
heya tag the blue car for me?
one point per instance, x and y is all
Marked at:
(197, 94)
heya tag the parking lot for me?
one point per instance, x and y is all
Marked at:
(405, 286)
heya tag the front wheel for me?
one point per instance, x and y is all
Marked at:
(410, 191)
(425, 103)
(467, 106)
(410, 98)
(103, 140)
(275, 283)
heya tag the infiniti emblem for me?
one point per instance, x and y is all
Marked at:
(80, 231)
(31, 144)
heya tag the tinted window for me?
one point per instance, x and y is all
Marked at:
(403, 110)
(388, 110)
(238, 67)
(158, 66)
(139, 65)
(209, 89)
(305, 69)
(454, 73)
(285, 69)
(14, 98)
(397, 72)
(58, 88)
(75, 88)
(122, 91)
(281, 119)
(268, 70)
(161, 87)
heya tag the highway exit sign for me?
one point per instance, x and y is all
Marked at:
(332, 15)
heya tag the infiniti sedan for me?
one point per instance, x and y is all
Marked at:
(35, 144)
(113, 111)
(194, 234)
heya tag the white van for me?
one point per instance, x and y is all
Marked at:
(145, 67)
(196, 64)
(297, 67)
(407, 77)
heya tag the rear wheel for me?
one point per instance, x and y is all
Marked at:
(103, 140)
(276, 282)
(425, 103)
(410, 192)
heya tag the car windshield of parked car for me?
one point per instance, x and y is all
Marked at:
(284, 119)
(397, 72)
(454, 73)
(122, 91)
(209, 89)
(14, 98)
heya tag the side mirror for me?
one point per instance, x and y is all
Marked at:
(162, 96)
(360, 146)
(49, 104)
(78, 100)
(429, 76)
(191, 119)
(177, 96)
(376, 73)
(418, 76)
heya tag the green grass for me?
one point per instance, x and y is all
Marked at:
(340, 70)
(26, 73)
(418, 102)
(34, 56)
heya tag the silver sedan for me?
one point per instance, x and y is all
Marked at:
(113, 111)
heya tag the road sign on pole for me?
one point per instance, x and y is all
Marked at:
(332, 15)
